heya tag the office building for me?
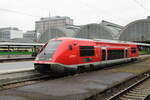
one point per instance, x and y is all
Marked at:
(9, 33)
(46, 23)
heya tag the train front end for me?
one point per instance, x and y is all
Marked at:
(46, 58)
(57, 55)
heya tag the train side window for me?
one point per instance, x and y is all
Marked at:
(133, 50)
(86, 51)
(115, 54)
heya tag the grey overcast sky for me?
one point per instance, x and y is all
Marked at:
(24, 13)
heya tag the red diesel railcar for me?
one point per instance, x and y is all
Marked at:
(61, 54)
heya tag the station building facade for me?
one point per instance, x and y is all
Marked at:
(30, 36)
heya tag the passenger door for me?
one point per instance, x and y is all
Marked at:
(126, 53)
(104, 55)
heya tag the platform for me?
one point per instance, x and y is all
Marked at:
(75, 87)
(14, 59)
(15, 66)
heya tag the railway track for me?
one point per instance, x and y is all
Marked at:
(26, 78)
(138, 91)
(21, 78)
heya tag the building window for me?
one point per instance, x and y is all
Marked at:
(115, 54)
(86, 51)
(133, 50)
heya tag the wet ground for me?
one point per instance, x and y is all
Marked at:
(70, 88)
(75, 87)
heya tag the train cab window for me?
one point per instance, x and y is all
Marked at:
(86, 51)
(48, 50)
(133, 50)
(52, 45)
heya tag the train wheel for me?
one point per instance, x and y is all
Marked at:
(81, 69)
(92, 67)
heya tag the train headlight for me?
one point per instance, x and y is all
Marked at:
(37, 58)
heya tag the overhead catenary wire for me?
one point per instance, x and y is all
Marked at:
(18, 12)
(142, 6)
(97, 8)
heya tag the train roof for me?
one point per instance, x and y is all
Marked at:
(105, 40)
(66, 38)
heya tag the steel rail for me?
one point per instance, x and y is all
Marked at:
(20, 76)
(127, 90)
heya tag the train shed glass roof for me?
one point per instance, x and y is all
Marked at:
(138, 30)
(94, 31)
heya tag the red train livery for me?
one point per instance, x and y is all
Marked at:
(61, 54)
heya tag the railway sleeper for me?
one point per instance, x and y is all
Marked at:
(132, 97)
(137, 94)
(142, 92)
(123, 98)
